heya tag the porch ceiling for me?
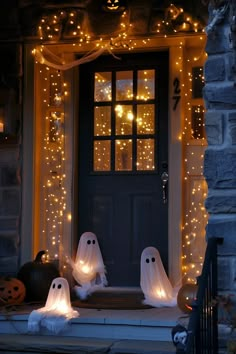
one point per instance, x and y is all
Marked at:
(147, 17)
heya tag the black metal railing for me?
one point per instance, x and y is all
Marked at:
(202, 330)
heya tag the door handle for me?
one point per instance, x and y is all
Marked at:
(164, 180)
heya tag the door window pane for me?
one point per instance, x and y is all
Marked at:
(145, 119)
(124, 119)
(102, 87)
(102, 155)
(123, 155)
(124, 85)
(102, 121)
(146, 86)
(145, 154)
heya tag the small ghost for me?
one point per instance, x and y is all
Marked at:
(88, 268)
(57, 311)
(154, 282)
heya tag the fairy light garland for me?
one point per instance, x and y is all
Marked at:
(54, 90)
(53, 94)
(195, 219)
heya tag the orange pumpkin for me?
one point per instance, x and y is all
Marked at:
(12, 291)
(186, 296)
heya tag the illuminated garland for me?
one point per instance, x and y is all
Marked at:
(54, 140)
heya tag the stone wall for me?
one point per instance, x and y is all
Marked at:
(10, 157)
(220, 156)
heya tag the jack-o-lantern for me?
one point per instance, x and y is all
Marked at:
(12, 291)
(114, 5)
(186, 296)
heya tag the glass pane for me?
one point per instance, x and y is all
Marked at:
(198, 130)
(197, 82)
(102, 155)
(102, 121)
(123, 155)
(102, 89)
(146, 85)
(124, 119)
(124, 85)
(145, 154)
(145, 119)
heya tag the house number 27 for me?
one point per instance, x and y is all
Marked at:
(176, 97)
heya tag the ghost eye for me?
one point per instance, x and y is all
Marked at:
(88, 242)
(94, 242)
(59, 286)
(147, 260)
(53, 286)
(153, 259)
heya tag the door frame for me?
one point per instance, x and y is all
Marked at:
(30, 224)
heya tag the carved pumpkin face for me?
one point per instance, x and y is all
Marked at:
(12, 291)
(186, 296)
(114, 5)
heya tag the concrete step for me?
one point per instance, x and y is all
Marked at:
(31, 344)
(148, 324)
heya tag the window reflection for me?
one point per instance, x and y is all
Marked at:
(124, 85)
(124, 119)
(102, 121)
(102, 87)
(123, 155)
(146, 86)
(145, 154)
(145, 119)
(101, 155)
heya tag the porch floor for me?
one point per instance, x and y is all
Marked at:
(95, 330)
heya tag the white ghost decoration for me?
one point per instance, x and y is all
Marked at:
(154, 282)
(57, 311)
(88, 268)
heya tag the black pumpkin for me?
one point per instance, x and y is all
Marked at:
(37, 277)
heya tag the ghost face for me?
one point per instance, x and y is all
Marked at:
(88, 260)
(154, 281)
(59, 296)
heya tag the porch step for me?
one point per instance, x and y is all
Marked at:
(142, 330)
(18, 344)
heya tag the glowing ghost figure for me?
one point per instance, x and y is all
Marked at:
(154, 282)
(88, 268)
(57, 311)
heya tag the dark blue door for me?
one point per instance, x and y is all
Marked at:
(122, 153)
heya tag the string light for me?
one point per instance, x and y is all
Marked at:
(54, 91)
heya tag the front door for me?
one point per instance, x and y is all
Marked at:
(123, 141)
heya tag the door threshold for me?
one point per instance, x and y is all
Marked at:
(120, 289)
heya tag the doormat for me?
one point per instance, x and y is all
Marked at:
(113, 300)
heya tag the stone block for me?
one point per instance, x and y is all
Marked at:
(8, 245)
(225, 227)
(214, 127)
(218, 202)
(220, 168)
(8, 175)
(218, 40)
(214, 69)
(10, 202)
(220, 96)
(224, 273)
(232, 127)
(9, 265)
